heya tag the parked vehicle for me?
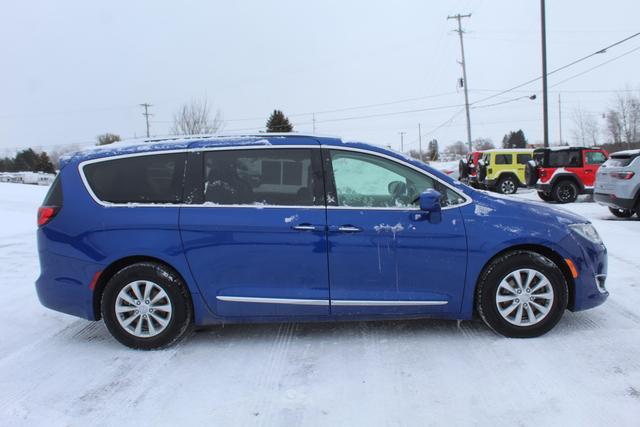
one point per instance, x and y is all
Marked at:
(157, 237)
(468, 169)
(561, 174)
(503, 170)
(618, 184)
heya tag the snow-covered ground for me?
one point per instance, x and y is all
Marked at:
(56, 370)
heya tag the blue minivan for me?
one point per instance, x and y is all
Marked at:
(158, 236)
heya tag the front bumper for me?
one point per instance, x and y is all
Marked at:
(612, 201)
(590, 285)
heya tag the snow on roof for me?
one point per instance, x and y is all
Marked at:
(516, 150)
(626, 153)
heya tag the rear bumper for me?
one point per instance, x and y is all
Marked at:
(612, 201)
(63, 284)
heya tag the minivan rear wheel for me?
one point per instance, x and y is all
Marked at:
(521, 294)
(146, 306)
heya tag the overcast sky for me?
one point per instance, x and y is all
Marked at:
(73, 70)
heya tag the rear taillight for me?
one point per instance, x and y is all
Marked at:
(622, 175)
(542, 173)
(46, 214)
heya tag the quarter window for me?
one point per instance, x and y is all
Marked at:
(523, 159)
(280, 177)
(153, 178)
(364, 180)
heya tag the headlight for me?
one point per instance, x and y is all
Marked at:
(588, 231)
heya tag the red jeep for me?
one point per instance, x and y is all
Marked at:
(469, 168)
(562, 173)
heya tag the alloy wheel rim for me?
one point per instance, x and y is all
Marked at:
(566, 192)
(524, 297)
(143, 309)
(508, 187)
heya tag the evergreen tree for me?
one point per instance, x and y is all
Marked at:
(278, 122)
(43, 164)
(26, 160)
(514, 140)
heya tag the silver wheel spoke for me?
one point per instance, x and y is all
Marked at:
(136, 290)
(530, 276)
(530, 314)
(138, 313)
(542, 309)
(505, 298)
(540, 285)
(546, 295)
(125, 308)
(507, 311)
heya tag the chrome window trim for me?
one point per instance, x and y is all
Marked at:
(81, 165)
(326, 302)
(260, 300)
(381, 303)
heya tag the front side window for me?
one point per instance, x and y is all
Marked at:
(153, 178)
(278, 177)
(364, 180)
(595, 157)
(504, 159)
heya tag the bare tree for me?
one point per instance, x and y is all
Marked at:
(481, 144)
(194, 118)
(107, 138)
(623, 120)
(457, 149)
(585, 128)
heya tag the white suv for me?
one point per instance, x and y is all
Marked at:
(618, 184)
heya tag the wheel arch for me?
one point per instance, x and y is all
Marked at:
(118, 265)
(539, 249)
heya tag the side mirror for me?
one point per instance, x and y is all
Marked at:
(430, 205)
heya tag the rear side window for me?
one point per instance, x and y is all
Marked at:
(153, 178)
(568, 158)
(595, 157)
(504, 159)
(54, 195)
(621, 160)
(277, 177)
(523, 159)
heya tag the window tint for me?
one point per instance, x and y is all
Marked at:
(595, 157)
(364, 180)
(523, 159)
(282, 177)
(569, 158)
(153, 178)
(504, 159)
(54, 195)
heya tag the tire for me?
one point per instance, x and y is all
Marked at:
(166, 321)
(621, 213)
(565, 192)
(507, 185)
(504, 269)
(547, 197)
(463, 170)
(530, 174)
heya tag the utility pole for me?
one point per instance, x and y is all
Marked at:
(460, 31)
(314, 123)
(420, 141)
(560, 117)
(146, 114)
(402, 134)
(545, 108)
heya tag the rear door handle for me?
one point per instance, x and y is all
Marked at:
(306, 227)
(349, 229)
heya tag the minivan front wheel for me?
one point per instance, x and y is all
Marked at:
(146, 306)
(521, 294)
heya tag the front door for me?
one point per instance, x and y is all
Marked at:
(384, 256)
(255, 234)
(592, 161)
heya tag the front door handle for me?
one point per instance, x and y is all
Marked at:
(305, 227)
